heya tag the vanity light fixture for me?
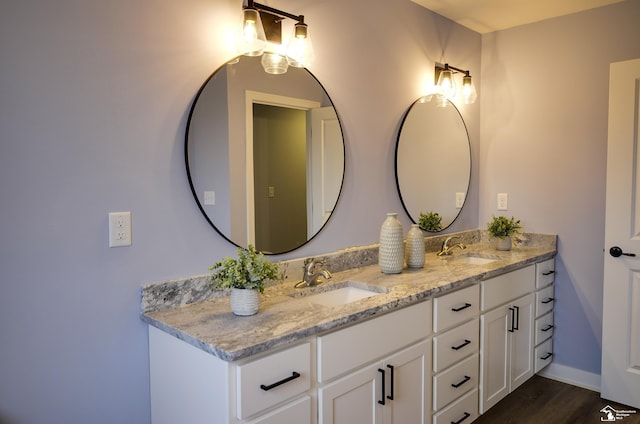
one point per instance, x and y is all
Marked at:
(446, 86)
(262, 35)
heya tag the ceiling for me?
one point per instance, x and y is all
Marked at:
(491, 15)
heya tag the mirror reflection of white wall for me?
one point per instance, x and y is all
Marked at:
(433, 160)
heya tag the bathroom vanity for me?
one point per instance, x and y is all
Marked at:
(441, 344)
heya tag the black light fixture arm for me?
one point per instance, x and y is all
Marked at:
(447, 66)
(262, 7)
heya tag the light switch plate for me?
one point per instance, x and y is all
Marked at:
(459, 200)
(503, 201)
(209, 197)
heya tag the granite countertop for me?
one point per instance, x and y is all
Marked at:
(285, 316)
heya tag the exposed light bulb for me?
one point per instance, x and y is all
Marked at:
(469, 94)
(252, 39)
(446, 84)
(300, 50)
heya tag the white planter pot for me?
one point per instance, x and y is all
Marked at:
(244, 302)
(503, 243)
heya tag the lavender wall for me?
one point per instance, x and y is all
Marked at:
(543, 140)
(94, 98)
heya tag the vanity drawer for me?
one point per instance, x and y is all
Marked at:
(504, 288)
(545, 273)
(273, 379)
(544, 328)
(455, 382)
(544, 301)
(455, 344)
(454, 308)
(344, 350)
(543, 355)
(464, 410)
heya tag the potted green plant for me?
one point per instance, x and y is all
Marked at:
(502, 229)
(245, 276)
(431, 221)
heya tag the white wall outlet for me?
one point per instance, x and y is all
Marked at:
(209, 197)
(503, 201)
(459, 200)
(272, 191)
(119, 229)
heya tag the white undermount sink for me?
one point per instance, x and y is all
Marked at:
(474, 259)
(341, 295)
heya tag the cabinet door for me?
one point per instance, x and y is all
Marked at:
(495, 328)
(522, 342)
(353, 399)
(409, 386)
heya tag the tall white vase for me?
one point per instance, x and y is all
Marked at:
(414, 248)
(391, 251)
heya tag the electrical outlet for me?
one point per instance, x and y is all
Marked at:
(272, 191)
(119, 229)
(503, 201)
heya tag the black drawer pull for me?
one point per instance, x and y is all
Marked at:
(466, 342)
(548, 272)
(466, 415)
(464, 380)
(390, 397)
(465, 306)
(513, 320)
(547, 356)
(547, 328)
(547, 300)
(382, 398)
(293, 376)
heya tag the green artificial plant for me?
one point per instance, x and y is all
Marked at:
(431, 221)
(501, 227)
(249, 271)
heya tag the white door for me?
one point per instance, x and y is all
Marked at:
(495, 327)
(325, 166)
(621, 303)
(521, 355)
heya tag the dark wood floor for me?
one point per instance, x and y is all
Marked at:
(541, 400)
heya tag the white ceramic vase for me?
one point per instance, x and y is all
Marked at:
(244, 302)
(391, 251)
(414, 247)
(503, 243)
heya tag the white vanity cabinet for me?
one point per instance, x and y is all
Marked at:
(506, 325)
(367, 374)
(455, 356)
(189, 385)
(545, 276)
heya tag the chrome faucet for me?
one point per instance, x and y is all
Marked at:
(445, 250)
(311, 276)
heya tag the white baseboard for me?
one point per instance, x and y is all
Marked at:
(573, 376)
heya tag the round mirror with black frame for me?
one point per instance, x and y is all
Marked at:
(433, 162)
(264, 155)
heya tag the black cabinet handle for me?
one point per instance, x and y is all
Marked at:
(460, 346)
(463, 307)
(547, 328)
(616, 252)
(293, 376)
(382, 398)
(390, 397)
(466, 415)
(547, 356)
(548, 272)
(464, 380)
(513, 320)
(547, 300)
